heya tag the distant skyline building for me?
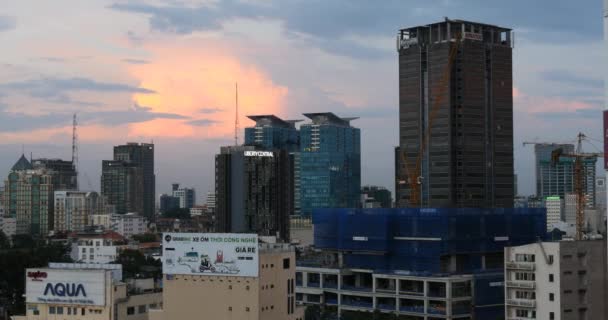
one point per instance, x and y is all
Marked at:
(328, 164)
(379, 197)
(186, 196)
(29, 193)
(141, 154)
(272, 132)
(468, 158)
(122, 185)
(254, 191)
(555, 207)
(168, 203)
(73, 209)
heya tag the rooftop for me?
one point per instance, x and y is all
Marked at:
(329, 118)
(446, 19)
(272, 120)
(22, 164)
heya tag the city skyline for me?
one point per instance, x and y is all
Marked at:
(140, 79)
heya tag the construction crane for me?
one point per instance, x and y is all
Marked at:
(412, 175)
(579, 157)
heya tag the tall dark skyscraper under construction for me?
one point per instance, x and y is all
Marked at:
(142, 155)
(456, 111)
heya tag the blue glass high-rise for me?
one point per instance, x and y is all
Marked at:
(329, 163)
(271, 132)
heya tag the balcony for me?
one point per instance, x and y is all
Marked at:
(527, 266)
(521, 303)
(521, 284)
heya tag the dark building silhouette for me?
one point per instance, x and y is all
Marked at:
(142, 155)
(468, 159)
(122, 184)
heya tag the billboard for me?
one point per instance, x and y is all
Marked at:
(221, 254)
(70, 287)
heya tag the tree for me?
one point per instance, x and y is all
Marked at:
(136, 265)
(146, 237)
(4, 241)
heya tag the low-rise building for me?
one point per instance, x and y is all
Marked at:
(84, 291)
(555, 207)
(96, 247)
(227, 276)
(128, 225)
(8, 226)
(556, 280)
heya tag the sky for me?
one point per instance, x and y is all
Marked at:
(165, 71)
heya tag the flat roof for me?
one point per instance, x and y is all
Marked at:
(446, 19)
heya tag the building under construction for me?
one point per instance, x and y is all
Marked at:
(455, 116)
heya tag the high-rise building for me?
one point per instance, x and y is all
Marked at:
(141, 154)
(329, 163)
(467, 160)
(186, 196)
(65, 177)
(376, 197)
(168, 203)
(74, 208)
(556, 280)
(254, 191)
(28, 194)
(271, 132)
(122, 184)
(555, 206)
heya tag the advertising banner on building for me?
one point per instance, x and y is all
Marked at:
(222, 254)
(68, 287)
(606, 139)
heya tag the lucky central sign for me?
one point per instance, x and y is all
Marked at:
(64, 286)
(223, 254)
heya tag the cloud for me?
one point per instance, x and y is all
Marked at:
(57, 89)
(201, 122)
(135, 61)
(7, 23)
(210, 110)
(570, 78)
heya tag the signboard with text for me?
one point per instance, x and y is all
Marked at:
(222, 254)
(68, 287)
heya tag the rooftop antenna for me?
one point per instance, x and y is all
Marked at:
(236, 117)
(75, 147)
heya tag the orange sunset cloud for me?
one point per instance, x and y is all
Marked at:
(198, 81)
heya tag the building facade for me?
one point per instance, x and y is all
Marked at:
(555, 211)
(467, 159)
(556, 280)
(95, 247)
(329, 162)
(73, 209)
(415, 263)
(65, 177)
(128, 225)
(557, 179)
(8, 226)
(29, 193)
(270, 132)
(142, 155)
(122, 185)
(254, 191)
(376, 197)
(85, 291)
(186, 196)
(168, 203)
(268, 295)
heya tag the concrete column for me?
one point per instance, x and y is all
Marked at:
(448, 295)
(374, 284)
(321, 280)
(304, 279)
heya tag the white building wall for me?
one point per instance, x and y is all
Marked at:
(554, 211)
(128, 225)
(542, 284)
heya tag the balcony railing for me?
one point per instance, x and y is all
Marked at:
(528, 266)
(414, 309)
(522, 303)
(521, 284)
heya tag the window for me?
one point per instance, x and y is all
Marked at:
(153, 306)
(551, 316)
(550, 277)
(550, 259)
(286, 263)
(82, 311)
(141, 309)
(551, 297)
(52, 310)
(36, 312)
(130, 311)
(59, 310)
(524, 257)
(69, 311)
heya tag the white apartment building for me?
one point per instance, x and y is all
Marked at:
(95, 247)
(556, 280)
(128, 225)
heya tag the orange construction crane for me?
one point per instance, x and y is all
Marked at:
(579, 189)
(412, 175)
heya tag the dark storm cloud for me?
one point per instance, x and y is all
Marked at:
(7, 23)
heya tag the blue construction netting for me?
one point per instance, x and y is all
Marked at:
(412, 239)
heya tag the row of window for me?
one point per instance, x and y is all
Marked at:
(71, 311)
(140, 309)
